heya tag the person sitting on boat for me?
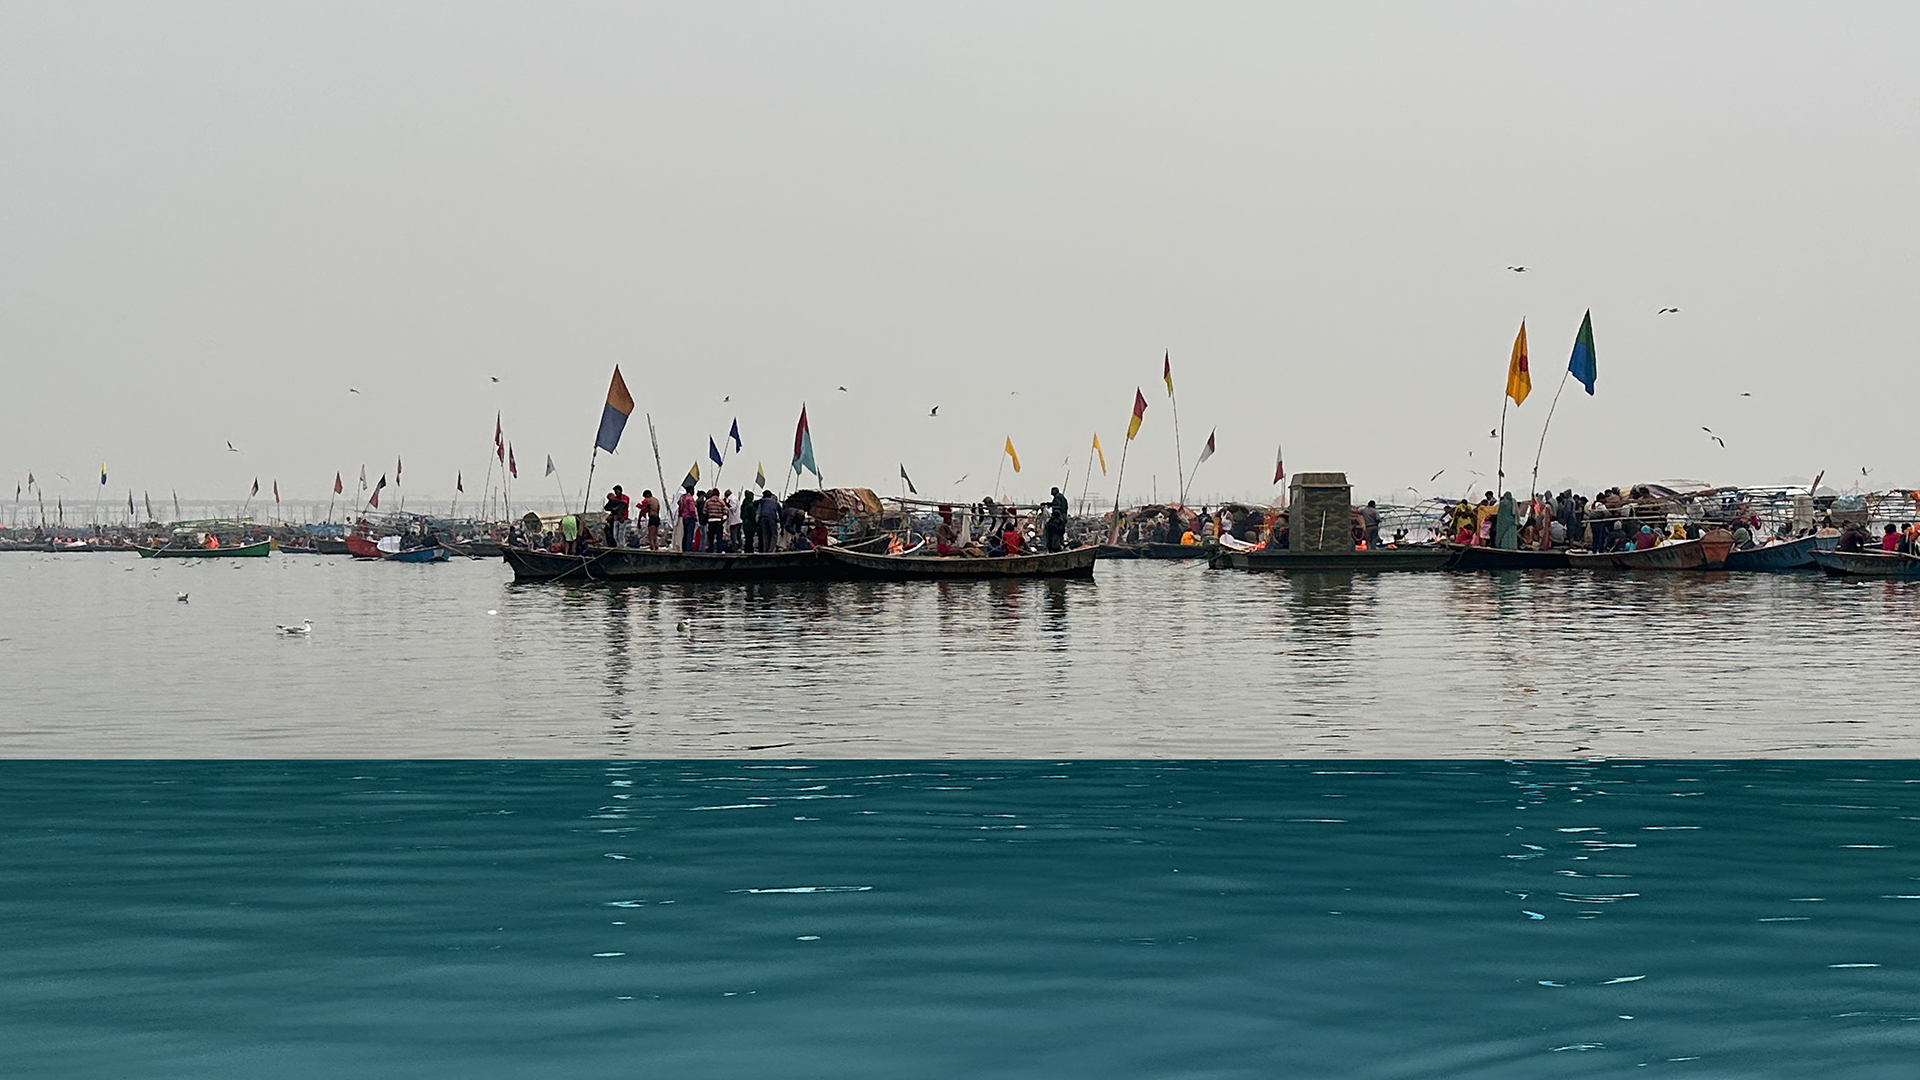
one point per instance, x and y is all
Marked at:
(1890, 540)
(818, 536)
(1852, 539)
(946, 537)
(1742, 536)
(1010, 537)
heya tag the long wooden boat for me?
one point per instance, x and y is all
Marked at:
(1074, 562)
(646, 564)
(1418, 557)
(432, 553)
(1791, 555)
(257, 550)
(1672, 555)
(1868, 564)
(1116, 551)
(1488, 558)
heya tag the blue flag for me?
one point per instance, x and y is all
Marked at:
(613, 418)
(735, 433)
(1581, 365)
(713, 451)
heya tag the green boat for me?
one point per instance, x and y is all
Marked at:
(257, 550)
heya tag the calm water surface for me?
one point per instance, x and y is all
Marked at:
(943, 918)
(1150, 660)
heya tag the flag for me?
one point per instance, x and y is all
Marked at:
(760, 476)
(803, 447)
(256, 488)
(338, 487)
(1279, 464)
(499, 445)
(459, 482)
(375, 501)
(1101, 453)
(103, 474)
(29, 479)
(713, 452)
(396, 472)
(1519, 380)
(1014, 454)
(513, 467)
(693, 476)
(148, 499)
(549, 464)
(1139, 413)
(276, 491)
(909, 480)
(613, 418)
(1581, 363)
(1208, 452)
(1166, 372)
(363, 478)
(734, 433)
(129, 505)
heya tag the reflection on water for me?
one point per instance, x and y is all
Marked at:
(1158, 659)
(847, 919)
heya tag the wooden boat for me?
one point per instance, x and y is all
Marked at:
(644, 564)
(1418, 557)
(1792, 555)
(1178, 551)
(1116, 551)
(361, 547)
(1672, 555)
(1594, 560)
(1487, 558)
(1074, 562)
(257, 550)
(1715, 546)
(1867, 564)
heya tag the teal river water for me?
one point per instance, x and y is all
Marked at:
(985, 919)
(1422, 825)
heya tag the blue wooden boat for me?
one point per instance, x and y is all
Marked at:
(436, 553)
(1868, 564)
(1792, 555)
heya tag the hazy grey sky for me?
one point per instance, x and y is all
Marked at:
(215, 218)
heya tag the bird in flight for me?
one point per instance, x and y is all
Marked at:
(1518, 269)
(1435, 476)
(726, 399)
(494, 378)
(1716, 438)
(1743, 393)
(1494, 433)
(351, 390)
(963, 478)
(935, 411)
(1668, 311)
(232, 449)
(842, 389)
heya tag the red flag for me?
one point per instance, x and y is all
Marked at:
(338, 487)
(256, 488)
(1279, 464)
(1139, 413)
(276, 491)
(375, 501)
(1166, 372)
(396, 472)
(499, 441)
(513, 469)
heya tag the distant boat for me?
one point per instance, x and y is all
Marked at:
(1868, 564)
(1416, 557)
(362, 548)
(257, 550)
(1074, 562)
(1673, 555)
(650, 564)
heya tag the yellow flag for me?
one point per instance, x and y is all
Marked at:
(1519, 382)
(1102, 453)
(1014, 454)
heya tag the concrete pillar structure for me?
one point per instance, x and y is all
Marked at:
(1320, 512)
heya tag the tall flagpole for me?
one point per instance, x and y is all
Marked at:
(1179, 464)
(1500, 470)
(1543, 429)
(1118, 483)
(659, 470)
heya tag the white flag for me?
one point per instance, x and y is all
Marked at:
(1208, 452)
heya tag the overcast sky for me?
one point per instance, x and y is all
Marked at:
(215, 219)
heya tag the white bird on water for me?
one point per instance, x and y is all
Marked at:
(684, 626)
(305, 627)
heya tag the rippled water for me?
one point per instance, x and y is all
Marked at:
(1149, 660)
(990, 919)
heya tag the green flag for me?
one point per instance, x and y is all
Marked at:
(909, 480)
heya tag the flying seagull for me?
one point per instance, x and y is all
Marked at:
(961, 480)
(351, 390)
(1716, 438)
(1518, 269)
(1435, 476)
(726, 399)
(1668, 311)
(494, 378)
(1494, 433)
(842, 389)
(231, 449)
(305, 628)
(1743, 393)
(935, 411)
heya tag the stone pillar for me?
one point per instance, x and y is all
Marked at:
(1320, 512)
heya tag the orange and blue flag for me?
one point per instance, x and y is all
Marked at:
(613, 419)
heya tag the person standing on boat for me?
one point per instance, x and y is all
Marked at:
(946, 537)
(733, 523)
(617, 509)
(650, 512)
(1506, 534)
(688, 509)
(713, 511)
(1057, 521)
(769, 521)
(1370, 516)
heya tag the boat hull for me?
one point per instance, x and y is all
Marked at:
(241, 551)
(1867, 564)
(862, 566)
(1407, 558)
(640, 564)
(1794, 555)
(1485, 558)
